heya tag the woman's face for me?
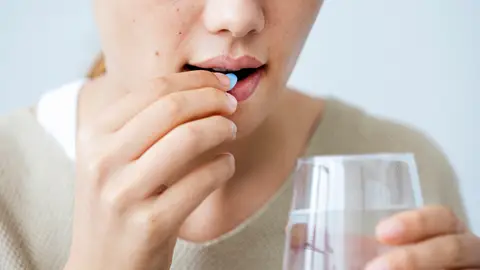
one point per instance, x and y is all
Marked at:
(146, 39)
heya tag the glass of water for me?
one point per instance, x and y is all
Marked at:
(337, 203)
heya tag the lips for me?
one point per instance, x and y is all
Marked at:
(247, 86)
(248, 70)
(228, 63)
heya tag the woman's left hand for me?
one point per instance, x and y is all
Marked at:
(429, 238)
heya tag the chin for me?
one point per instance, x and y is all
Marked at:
(252, 113)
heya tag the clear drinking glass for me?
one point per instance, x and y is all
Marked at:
(337, 203)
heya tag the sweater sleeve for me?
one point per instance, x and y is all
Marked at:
(438, 179)
(36, 196)
(13, 252)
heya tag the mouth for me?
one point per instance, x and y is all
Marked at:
(248, 70)
(240, 73)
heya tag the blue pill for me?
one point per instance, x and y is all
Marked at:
(233, 80)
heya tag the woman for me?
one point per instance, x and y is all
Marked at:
(166, 160)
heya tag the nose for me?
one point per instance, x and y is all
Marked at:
(238, 17)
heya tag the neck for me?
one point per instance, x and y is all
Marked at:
(288, 128)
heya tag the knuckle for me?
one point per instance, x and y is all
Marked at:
(455, 250)
(420, 220)
(85, 136)
(150, 223)
(160, 85)
(174, 104)
(98, 167)
(113, 200)
(442, 211)
(451, 218)
(145, 221)
(206, 133)
(156, 88)
(190, 134)
(404, 259)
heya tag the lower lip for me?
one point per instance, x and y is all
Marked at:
(246, 87)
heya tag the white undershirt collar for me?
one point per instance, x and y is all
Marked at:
(57, 114)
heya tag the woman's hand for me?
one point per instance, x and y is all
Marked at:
(138, 171)
(430, 238)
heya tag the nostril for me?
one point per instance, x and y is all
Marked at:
(238, 18)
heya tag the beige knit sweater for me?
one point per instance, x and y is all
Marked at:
(36, 193)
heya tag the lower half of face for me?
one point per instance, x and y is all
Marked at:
(257, 40)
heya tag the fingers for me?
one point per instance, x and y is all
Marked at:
(198, 79)
(189, 192)
(167, 113)
(158, 218)
(445, 252)
(413, 226)
(357, 249)
(162, 163)
(119, 113)
(298, 236)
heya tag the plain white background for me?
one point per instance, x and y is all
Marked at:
(414, 61)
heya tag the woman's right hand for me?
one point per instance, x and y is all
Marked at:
(125, 216)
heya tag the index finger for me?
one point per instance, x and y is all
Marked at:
(356, 249)
(418, 225)
(182, 198)
(193, 80)
(444, 252)
(128, 106)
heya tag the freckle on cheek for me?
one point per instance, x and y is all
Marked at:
(157, 53)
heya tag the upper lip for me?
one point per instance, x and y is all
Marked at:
(228, 63)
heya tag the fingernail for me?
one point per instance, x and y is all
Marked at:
(390, 229)
(234, 130)
(378, 264)
(233, 80)
(231, 157)
(232, 101)
(224, 79)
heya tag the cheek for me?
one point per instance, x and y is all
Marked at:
(142, 25)
(144, 33)
(290, 23)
